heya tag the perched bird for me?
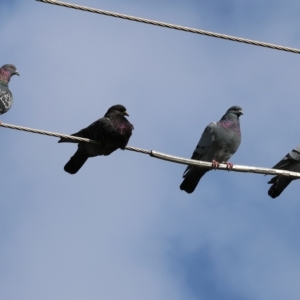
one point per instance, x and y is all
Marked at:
(218, 143)
(111, 132)
(290, 162)
(6, 97)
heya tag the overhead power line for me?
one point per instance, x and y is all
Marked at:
(172, 26)
(163, 156)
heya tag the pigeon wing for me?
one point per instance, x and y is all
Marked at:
(96, 131)
(289, 160)
(295, 153)
(6, 99)
(204, 143)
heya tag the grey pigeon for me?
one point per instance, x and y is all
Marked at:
(111, 132)
(290, 162)
(6, 97)
(218, 143)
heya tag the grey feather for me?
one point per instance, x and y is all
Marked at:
(6, 99)
(219, 141)
(291, 162)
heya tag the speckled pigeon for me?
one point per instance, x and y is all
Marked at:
(6, 97)
(290, 162)
(219, 141)
(111, 132)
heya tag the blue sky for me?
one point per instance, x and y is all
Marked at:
(121, 228)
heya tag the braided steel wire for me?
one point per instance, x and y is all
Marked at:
(172, 26)
(163, 156)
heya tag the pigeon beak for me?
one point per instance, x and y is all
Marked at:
(241, 112)
(125, 113)
(17, 73)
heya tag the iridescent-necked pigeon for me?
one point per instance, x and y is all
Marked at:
(219, 141)
(6, 97)
(111, 132)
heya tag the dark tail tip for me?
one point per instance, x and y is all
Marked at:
(191, 180)
(75, 162)
(279, 184)
(187, 187)
(273, 192)
(70, 169)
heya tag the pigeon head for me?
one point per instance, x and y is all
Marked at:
(118, 110)
(233, 112)
(236, 110)
(6, 72)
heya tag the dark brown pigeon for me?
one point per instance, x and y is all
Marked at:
(290, 162)
(218, 143)
(6, 97)
(111, 132)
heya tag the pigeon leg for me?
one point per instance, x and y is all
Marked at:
(228, 164)
(215, 164)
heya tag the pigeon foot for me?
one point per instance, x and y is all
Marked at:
(215, 164)
(229, 165)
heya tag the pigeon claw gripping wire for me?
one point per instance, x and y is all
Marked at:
(215, 164)
(229, 165)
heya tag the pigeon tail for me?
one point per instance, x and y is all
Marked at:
(65, 140)
(191, 180)
(279, 183)
(76, 162)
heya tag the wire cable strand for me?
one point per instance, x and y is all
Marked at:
(163, 156)
(172, 26)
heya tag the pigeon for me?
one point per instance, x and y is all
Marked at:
(219, 141)
(111, 132)
(290, 162)
(6, 97)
